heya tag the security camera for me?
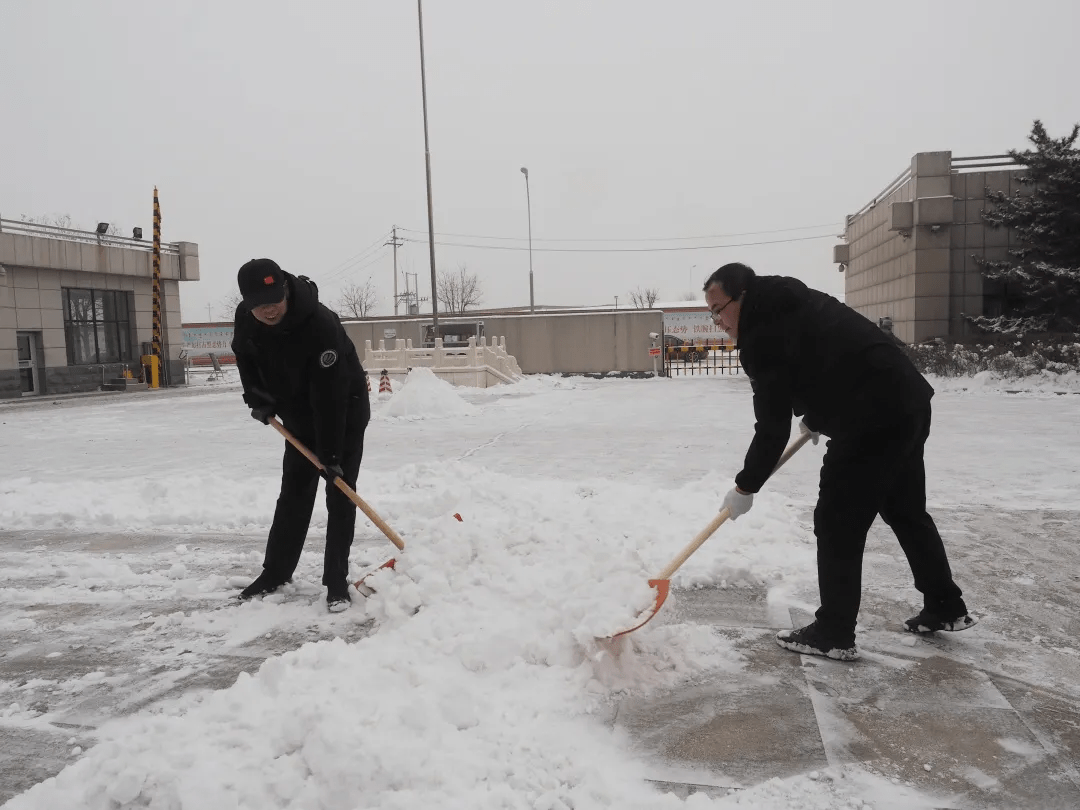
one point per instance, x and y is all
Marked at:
(654, 335)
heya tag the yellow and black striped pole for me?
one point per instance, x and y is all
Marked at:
(156, 370)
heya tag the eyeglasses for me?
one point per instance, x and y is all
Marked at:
(716, 314)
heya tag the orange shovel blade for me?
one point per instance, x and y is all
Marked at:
(663, 588)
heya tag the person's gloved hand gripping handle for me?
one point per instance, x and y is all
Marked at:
(737, 502)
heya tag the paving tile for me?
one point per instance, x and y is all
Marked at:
(977, 756)
(883, 680)
(29, 756)
(736, 606)
(1053, 718)
(730, 732)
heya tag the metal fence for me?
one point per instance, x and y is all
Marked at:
(89, 237)
(976, 162)
(690, 360)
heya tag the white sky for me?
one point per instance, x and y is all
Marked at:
(572, 493)
(295, 131)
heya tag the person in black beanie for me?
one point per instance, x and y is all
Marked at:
(296, 362)
(809, 355)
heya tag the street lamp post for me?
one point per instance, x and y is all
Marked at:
(528, 205)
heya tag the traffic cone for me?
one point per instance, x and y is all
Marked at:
(384, 383)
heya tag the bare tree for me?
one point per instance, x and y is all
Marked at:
(644, 298)
(458, 291)
(65, 221)
(690, 296)
(227, 306)
(357, 300)
(56, 220)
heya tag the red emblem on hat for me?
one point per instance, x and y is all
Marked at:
(268, 281)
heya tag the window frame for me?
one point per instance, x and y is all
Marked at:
(102, 334)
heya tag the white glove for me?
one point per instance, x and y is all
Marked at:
(814, 435)
(737, 503)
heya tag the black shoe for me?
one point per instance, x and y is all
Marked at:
(264, 583)
(810, 640)
(338, 598)
(930, 621)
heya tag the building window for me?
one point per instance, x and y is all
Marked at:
(97, 324)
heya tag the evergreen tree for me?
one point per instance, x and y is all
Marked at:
(1041, 278)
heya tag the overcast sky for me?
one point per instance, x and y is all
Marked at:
(295, 130)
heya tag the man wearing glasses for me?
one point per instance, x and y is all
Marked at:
(809, 355)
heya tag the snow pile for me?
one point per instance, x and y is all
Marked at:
(540, 383)
(1042, 382)
(495, 692)
(425, 396)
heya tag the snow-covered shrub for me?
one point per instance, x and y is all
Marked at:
(1008, 358)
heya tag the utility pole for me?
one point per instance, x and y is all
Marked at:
(427, 166)
(396, 243)
(209, 317)
(415, 291)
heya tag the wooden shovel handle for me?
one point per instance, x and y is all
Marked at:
(391, 535)
(724, 514)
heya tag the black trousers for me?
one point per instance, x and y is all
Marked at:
(299, 485)
(879, 472)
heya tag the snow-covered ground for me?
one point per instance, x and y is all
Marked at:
(571, 493)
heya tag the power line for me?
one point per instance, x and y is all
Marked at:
(345, 265)
(626, 250)
(379, 255)
(370, 259)
(653, 239)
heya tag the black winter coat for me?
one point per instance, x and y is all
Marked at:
(305, 366)
(809, 355)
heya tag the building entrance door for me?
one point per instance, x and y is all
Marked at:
(28, 370)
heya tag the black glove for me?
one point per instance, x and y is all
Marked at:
(332, 471)
(263, 413)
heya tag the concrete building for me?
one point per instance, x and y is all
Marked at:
(909, 254)
(76, 308)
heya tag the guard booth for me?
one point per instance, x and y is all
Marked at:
(453, 333)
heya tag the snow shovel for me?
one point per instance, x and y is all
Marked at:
(662, 583)
(391, 535)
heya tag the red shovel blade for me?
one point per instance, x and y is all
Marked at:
(663, 588)
(367, 590)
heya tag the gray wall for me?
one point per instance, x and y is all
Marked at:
(880, 274)
(909, 253)
(545, 343)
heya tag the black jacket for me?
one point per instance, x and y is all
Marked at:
(305, 366)
(809, 355)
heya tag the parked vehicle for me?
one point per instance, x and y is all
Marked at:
(678, 349)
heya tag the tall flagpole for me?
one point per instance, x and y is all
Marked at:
(427, 164)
